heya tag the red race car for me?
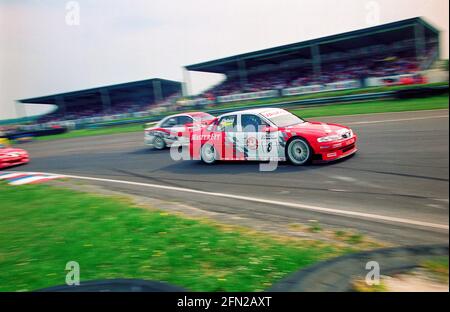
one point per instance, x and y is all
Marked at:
(175, 128)
(270, 134)
(12, 156)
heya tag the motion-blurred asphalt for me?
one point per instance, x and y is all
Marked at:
(401, 170)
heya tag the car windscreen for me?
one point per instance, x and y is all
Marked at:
(282, 118)
(203, 117)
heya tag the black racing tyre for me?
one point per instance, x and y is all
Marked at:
(159, 143)
(208, 154)
(298, 152)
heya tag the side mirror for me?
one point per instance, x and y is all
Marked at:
(189, 124)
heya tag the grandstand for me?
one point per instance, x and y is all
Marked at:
(394, 53)
(109, 102)
(390, 53)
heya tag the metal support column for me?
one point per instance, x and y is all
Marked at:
(21, 110)
(242, 74)
(419, 40)
(316, 62)
(106, 100)
(157, 91)
(59, 100)
(186, 85)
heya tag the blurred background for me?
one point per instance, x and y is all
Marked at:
(50, 48)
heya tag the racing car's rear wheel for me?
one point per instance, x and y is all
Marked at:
(298, 152)
(208, 154)
(159, 143)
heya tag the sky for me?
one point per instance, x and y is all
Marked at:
(53, 46)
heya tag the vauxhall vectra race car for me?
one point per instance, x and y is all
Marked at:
(270, 134)
(175, 128)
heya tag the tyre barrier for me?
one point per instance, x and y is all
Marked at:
(421, 92)
(30, 134)
(337, 275)
(117, 285)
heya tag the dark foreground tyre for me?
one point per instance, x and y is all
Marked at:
(117, 285)
(298, 152)
(159, 143)
(208, 154)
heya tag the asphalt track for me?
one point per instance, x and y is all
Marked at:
(395, 188)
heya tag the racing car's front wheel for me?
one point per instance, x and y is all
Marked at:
(298, 152)
(159, 143)
(208, 154)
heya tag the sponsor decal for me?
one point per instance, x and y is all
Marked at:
(205, 137)
(252, 143)
(273, 113)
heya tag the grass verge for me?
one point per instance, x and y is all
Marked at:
(436, 102)
(43, 227)
(93, 131)
(438, 267)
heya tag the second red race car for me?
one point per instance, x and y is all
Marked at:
(271, 134)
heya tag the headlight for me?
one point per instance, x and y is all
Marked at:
(342, 134)
(329, 138)
(349, 134)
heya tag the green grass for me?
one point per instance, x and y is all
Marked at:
(43, 227)
(438, 267)
(94, 131)
(436, 102)
(315, 227)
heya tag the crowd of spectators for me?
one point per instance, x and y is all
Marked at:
(334, 72)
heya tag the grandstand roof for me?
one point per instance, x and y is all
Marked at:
(142, 90)
(386, 33)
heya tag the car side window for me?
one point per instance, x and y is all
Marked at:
(182, 120)
(169, 123)
(227, 124)
(252, 123)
